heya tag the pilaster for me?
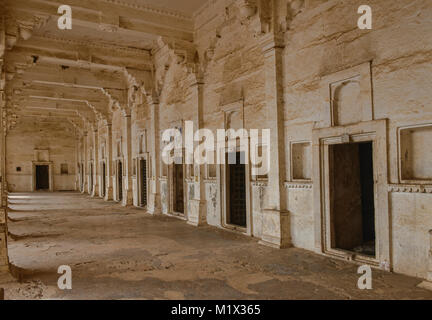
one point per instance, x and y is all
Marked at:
(109, 166)
(95, 192)
(127, 185)
(276, 219)
(155, 205)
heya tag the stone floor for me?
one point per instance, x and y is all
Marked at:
(124, 253)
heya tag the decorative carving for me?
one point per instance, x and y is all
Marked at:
(401, 188)
(290, 185)
(259, 183)
(247, 8)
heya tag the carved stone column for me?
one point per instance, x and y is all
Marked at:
(198, 213)
(155, 206)
(84, 174)
(109, 155)
(95, 192)
(4, 259)
(127, 185)
(77, 164)
(276, 219)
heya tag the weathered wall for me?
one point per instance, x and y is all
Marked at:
(233, 62)
(324, 39)
(31, 134)
(333, 75)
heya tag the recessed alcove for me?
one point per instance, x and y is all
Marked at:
(415, 154)
(301, 157)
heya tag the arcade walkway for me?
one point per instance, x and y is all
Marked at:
(124, 253)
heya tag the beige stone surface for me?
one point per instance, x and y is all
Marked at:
(124, 253)
(101, 95)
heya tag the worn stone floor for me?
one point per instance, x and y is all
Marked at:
(124, 253)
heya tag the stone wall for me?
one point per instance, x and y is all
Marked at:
(323, 40)
(57, 144)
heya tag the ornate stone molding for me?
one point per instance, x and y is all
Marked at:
(297, 185)
(259, 183)
(210, 181)
(401, 188)
(152, 9)
(96, 45)
(116, 99)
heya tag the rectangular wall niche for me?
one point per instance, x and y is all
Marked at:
(64, 170)
(416, 154)
(301, 157)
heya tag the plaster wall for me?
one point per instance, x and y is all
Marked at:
(29, 134)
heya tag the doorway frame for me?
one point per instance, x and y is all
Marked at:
(103, 179)
(119, 176)
(223, 187)
(371, 131)
(139, 182)
(171, 195)
(50, 173)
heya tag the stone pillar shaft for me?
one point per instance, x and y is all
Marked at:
(4, 258)
(127, 185)
(276, 229)
(85, 163)
(109, 166)
(95, 192)
(155, 197)
(198, 213)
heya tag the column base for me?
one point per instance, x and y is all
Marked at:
(154, 204)
(197, 215)
(109, 194)
(127, 198)
(276, 229)
(95, 191)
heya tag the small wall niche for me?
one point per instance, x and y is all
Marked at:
(211, 166)
(415, 154)
(346, 102)
(261, 168)
(301, 160)
(142, 147)
(349, 92)
(64, 169)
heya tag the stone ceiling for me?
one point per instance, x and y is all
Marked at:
(185, 6)
(78, 74)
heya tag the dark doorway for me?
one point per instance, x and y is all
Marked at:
(103, 179)
(237, 191)
(82, 177)
(178, 189)
(143, 184)
(42, 177)
(91, 178)
(352, 198)
(120, 180)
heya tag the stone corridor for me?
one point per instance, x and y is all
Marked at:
(120, 252)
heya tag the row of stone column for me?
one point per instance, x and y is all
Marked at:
(276, 212)
(4, 261)
(90, 181)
